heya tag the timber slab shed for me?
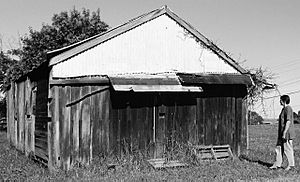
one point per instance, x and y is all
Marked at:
(139, 86)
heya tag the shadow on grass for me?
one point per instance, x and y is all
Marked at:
(246, 158)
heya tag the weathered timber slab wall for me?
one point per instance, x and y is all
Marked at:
(152, 120)
(132, 119)
(222, 121)
(93, 120)
(27, 117)
(77, 113)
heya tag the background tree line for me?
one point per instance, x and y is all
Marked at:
(254, 118)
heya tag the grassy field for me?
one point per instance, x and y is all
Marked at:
(252, 166)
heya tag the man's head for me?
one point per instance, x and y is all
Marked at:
(284, 99)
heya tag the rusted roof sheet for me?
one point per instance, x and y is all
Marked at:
(150, 83)
(62, 54)
(198, 79)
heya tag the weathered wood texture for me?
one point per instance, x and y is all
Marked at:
(21, 115)
(81, 122)
(108, 122)
(71, 137)
(41, 120)
(144, 120)
(11, 134)
(132, 122)
(27, 117)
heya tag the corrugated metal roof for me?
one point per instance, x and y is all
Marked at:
(59, 55)
(150, 83)
(196, 79)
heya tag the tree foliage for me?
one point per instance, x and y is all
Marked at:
(296, 118)
(6, 65)
(2, 107)
(66, 28)
(262, 84)
(254, 118)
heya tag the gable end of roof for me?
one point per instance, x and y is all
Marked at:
(60, 55)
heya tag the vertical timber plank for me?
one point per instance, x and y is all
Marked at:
(228, 122)
(85, 126)
(233, 124)
(16, 116)
(8, 117)
(208, 122)
(56, 127)
(75, 117)
(113, 123)
(239, 108)
(95, 120)
(21, 116)
(199, 116)
(65, 98)
(27, 116)
(106, 112)
(62, 125)
(51, 129)
(12, 115)
(244, 132)
(160, 131)
(68, 126)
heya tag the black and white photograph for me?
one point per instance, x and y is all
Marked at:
(157, 90)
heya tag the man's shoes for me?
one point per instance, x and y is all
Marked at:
(275, 167)
(289, 168)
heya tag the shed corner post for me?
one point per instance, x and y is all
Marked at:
(246, 123)
(53, 127)
(8, 125)
(244, 128)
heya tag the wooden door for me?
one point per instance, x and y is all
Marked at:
(164, 118)
(175, 122)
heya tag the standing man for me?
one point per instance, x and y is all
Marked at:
(286, 134)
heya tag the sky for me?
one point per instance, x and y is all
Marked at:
(257, 33)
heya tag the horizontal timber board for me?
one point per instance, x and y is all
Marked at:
(42, 119)
(41, 153)
(40, 140)
(40, 134)
(41, 145)
(210, 146)
(80, 81)
(41, 128)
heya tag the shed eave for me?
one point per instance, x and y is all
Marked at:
(220, 79)
(157, 88)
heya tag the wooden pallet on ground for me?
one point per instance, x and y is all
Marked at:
(160, 163)
(212, 152)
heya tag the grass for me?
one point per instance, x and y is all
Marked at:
(251, 166)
